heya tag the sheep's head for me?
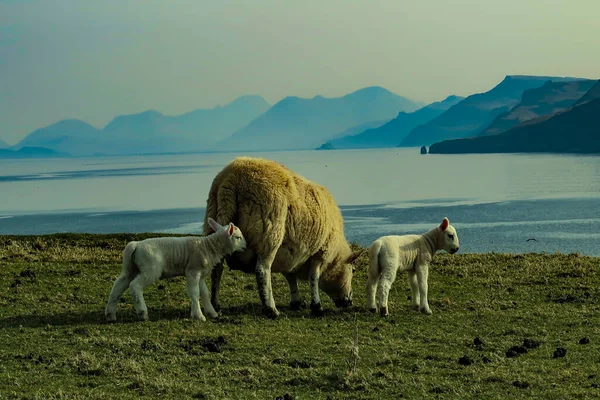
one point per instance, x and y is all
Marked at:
(231, 234)
(336, 281)
(449, 242)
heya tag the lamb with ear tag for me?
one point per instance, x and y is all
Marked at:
(410, 253)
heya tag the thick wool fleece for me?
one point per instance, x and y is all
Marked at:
(288, 221)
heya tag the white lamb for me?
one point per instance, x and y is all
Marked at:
(149, 260)
(410, 253)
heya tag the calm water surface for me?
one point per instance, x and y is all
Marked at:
(496, 202)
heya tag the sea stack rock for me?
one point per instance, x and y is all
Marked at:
(423, 149)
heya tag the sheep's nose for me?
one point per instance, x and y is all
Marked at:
(455, 250)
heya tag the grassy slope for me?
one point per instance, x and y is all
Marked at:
(54, 343)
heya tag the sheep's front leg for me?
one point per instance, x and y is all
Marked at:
(210, 311)
(192, 282)
(422, 271)
(295, 299)
(314, 272)
(215, 280)
(414, 287)
(265, 290)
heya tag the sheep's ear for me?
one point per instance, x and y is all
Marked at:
(354, 256)
(444, 224)
(214, 224)
(231, 229)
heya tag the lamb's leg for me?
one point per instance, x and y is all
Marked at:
(314, 272)
(215, 280)
(208, 308)
(136, 287)
(388, 276)
(120, 285)
(422, 274)
(192, 282)
(372, 283)
(295, 299)
(414, 287)
(265, 290)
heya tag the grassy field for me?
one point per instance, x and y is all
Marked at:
(54, 342)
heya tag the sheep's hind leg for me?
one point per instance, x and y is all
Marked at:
(265, 289)
(136, 287)
(414, 287)
(314, 273)
(192, 285)
(386, 281)
(120, 285)
(372, 284)
(210, 311)
(215, 280)
(296, 302)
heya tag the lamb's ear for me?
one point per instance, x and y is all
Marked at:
(444, 224)
(214, 224)
(354, 256)
(231, 229)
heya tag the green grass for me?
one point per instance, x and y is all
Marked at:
(54, 342)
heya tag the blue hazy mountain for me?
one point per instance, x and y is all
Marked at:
(3, 144)
(297, 123)
(476, 112)
(69, 135)
(574, 130)
(546, 100)
(31, 152)
(149, 131)
(394, 131)
(592, 94)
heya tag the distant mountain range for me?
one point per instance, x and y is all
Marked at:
(574, 130)
(31, 152)
(393, 132)
(295, 123)
(3, 144)
(473, 114)
(547, 99)
(149, 131)
(367, 118)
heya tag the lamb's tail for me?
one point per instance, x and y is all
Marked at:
(221, 204)
(129, 267)
(374, 266)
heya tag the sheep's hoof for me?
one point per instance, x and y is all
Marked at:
(142, 316)
(426, 311)
(200, 318)
(316, 309)
(373, 310)
(216, 306)
(383, 312)
(270, 313)
(213, 315)
(297, 305)
(416, 307)
(111, 318)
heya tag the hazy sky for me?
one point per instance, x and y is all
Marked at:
(94, 59)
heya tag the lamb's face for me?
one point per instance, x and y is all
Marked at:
(238, 242)
(451, 243)
(232, 234)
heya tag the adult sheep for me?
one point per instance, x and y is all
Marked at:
(292, 226)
